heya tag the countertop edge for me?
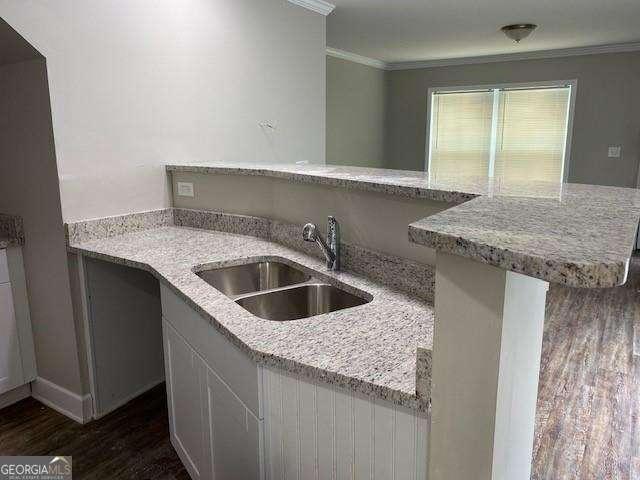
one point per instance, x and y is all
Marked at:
(11, 231)
(10, 242)
(583, 274)
(389, 188)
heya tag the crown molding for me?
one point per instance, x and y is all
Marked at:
(353, 57)
(318, 6)
(510, 57)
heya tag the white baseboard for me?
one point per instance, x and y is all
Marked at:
(72, 405)
(15, 395)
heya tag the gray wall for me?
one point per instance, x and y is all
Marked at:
(137, 84)
(126, 332)
(132, 86)
(356, 114)
(29, 187)
(607, 110)
(372, 220)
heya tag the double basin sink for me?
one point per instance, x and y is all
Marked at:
(275, 290)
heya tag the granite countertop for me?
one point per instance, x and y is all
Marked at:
(572, 234)
(403, 183)
(11, 231)
(369, 349)
(583, 238)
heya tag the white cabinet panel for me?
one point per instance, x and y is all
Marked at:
(185, 373)
(290, 428)
(11, 374)
(125, 329)
(215, 434)
(339, 434)
(404, 446)
(4, 266)
(230, 363)
(234, 433)
(383, 441)
(325, 419)
(344, 441)
(308, 429)
(272, 387)
(363, 430)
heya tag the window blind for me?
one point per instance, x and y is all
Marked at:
(512, 134)
(461, 133)
(531, 134)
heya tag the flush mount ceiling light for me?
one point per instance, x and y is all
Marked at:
(518, 31)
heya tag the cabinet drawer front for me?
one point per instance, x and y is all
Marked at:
(4, 267)
(233, 365)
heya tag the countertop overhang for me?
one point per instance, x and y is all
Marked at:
(572, 234)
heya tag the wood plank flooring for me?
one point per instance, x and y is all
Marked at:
(130, 443)
(588, 415)
(587, 425)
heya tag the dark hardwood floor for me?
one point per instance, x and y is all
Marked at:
(587, 426)
(130, 443)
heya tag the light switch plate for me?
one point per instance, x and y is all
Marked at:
(185, 189)
(614, 151)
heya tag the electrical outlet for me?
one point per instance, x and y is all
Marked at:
(614, 151)
(185, 189)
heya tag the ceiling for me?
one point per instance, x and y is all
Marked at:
(412, 30)
(14, 48)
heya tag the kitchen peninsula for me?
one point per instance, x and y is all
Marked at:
(495, 249)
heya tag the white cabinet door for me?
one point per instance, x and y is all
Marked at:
(234, 433)
(186, 394)
(11, 375)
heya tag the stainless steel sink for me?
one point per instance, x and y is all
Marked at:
(299, 302)
(275, 290)
(253, 277)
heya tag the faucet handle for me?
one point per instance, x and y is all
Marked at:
(310, 232)
(333, 237)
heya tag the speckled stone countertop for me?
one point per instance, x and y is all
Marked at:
(402, 183)
(582, 238)
(11, 231)
(575, 235)
(371, 349)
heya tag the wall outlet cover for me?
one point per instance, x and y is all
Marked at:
(614, 151)
(185, 189)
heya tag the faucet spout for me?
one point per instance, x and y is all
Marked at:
(330, 250)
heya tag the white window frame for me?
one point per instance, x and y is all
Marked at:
(573, 84)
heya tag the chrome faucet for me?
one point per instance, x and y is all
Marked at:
(332, 250)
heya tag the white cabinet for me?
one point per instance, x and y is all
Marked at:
(17, 360)
(314, 430)
(231, 420)
(215, 434)
(10, 363)
(185, 376)
(235, 433)
(232, 365)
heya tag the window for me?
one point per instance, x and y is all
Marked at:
(511, 132)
